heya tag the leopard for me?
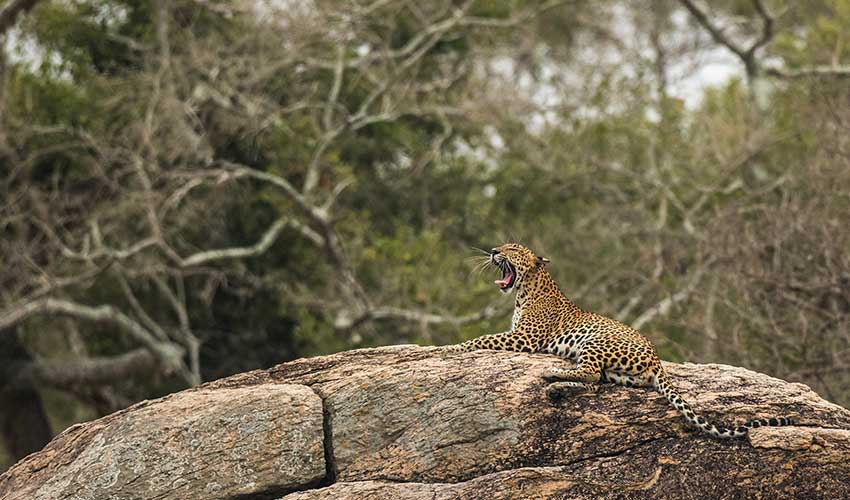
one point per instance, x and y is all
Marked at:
(604, 350)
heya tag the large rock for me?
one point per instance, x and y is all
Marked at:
(204, 444)
(406, 422)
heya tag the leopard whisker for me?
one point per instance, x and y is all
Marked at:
(480, 263)
(481, 266)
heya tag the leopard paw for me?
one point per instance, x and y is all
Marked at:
(552, 373)
(560, 390)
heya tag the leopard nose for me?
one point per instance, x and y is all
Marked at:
(494, 251)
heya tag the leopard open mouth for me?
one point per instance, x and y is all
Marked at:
(508, 275)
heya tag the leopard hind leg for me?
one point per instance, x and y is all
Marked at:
(559, 390)
(582, 378)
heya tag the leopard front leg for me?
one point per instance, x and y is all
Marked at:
(584, 372)
(505, 341)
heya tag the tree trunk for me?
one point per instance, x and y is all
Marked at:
(25, 429)
(407, 422)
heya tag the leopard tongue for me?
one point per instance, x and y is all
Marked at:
(504, 281)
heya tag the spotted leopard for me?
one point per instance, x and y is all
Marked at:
(544, 320)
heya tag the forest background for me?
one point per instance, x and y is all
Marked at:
(195, 188)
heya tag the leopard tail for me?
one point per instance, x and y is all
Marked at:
(662, 385)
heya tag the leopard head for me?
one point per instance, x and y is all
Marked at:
(515, 261)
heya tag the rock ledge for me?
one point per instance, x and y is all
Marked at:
(405, 422)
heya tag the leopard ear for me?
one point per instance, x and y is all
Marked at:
(542, 260)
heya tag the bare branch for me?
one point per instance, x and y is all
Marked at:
(167, 353)
(335, 86)
(177, 196)
(306, 231)
(412, 46)
(633, 302)
(64, 374)
(413, 51)
(260, 247)
(312, 211)
(152, 325)
(153, 219)
(311, 180)
(378, 4)
(663, 307)
(516, 19)
(192, 343)
(396, 313)
(748, 55)
(57, 283)
(318, 216)
(811, 71)
(768, 22)
(715, 31)
(88, 254)
(312, 177)
(163, 14)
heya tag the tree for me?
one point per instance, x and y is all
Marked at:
(160, 148)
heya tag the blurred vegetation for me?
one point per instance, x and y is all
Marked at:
(195, 188)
